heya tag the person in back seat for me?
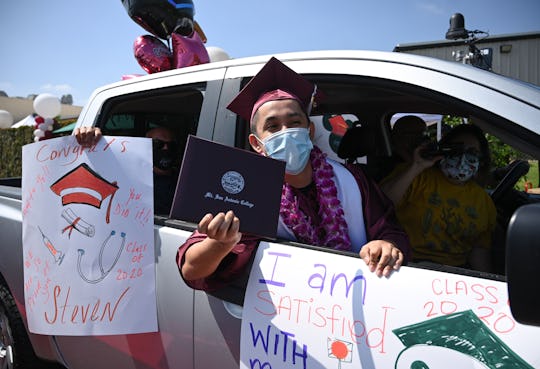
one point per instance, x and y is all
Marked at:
(166, 157)
(449, 218)
(323, 202)
(408, 132)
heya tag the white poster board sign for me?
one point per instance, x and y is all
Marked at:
(88, 241)
(308, 309)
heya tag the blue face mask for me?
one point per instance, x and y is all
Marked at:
(291, 145)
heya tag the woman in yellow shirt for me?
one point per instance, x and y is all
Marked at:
(449, 218)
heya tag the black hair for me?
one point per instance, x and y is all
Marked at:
(476, 132)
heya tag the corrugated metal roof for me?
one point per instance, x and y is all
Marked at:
(446, 43)
(521, 61)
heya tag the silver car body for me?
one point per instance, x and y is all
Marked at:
(198, 330)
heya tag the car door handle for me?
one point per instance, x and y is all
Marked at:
(233, 309)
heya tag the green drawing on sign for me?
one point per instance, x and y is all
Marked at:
(419, 365)
(463, 332)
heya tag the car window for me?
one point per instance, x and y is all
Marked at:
(175, 108)
(375, 103)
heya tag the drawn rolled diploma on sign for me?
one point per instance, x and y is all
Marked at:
(75, 222)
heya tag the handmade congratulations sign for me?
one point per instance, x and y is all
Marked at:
(88, 238)
(308, 309)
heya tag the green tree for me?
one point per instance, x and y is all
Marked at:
(501, 153)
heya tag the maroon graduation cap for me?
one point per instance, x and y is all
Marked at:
(275, 81)
(81, 185)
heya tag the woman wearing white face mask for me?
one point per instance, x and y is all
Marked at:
(449, 218)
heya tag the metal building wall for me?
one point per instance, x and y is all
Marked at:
(522, 62)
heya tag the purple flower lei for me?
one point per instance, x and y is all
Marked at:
(332, 230)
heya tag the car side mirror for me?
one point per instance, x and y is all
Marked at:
(523, 264)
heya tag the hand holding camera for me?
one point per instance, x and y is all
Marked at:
(432, 150)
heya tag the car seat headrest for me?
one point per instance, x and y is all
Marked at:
(356, 143)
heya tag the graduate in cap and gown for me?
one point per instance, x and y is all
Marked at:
(323, 202)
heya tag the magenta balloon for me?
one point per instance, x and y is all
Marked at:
(188, 51)
(152, 54)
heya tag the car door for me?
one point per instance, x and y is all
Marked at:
(372, 85)
(187, 104)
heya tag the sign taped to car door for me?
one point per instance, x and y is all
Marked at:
(310, 309)
(88, 238)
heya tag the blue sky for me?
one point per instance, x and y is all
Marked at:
(73, 47)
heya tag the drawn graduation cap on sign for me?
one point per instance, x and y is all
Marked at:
(83, 185)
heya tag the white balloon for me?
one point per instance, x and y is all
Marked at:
(6, 119)
(47, 105)
(47, 125)
(217, 54)
(36, 139)
(39, 133)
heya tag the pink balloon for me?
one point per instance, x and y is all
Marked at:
(188, 50)
(152, 54)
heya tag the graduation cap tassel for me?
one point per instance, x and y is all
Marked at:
(108, 214)
(312, 100)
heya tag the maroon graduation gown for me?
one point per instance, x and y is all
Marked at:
(379, 219)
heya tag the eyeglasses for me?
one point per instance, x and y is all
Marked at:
(158, 144)
(457, 149)
(471, 155)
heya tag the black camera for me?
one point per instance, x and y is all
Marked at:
(434, 149)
